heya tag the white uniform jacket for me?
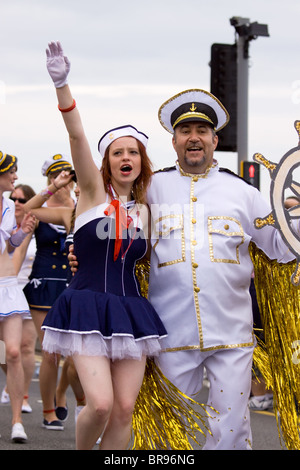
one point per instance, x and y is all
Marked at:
(200, 264)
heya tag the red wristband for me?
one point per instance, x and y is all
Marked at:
(66, 110)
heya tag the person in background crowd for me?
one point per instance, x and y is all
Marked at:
(13, 304)
(62, 216)
(49, 277)
(23, 258)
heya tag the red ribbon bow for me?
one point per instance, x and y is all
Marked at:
(122, 222)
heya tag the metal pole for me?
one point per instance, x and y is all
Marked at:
(242, 99)
(246, 31)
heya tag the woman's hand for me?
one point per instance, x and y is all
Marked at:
(58, 65)
(28, 223)
(63, 179)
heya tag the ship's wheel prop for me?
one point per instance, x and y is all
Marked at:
(280, 217)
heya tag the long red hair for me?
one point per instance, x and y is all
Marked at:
(141, 183)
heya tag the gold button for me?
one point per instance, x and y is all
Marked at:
(195, 178)
(64, 266)
(195, 265)
(54, 253)
(226, 227)
(194, 199)
(194, 242)
(55, 242)
(197, 289)
(64, 254)
(53, 266)
(194, 221)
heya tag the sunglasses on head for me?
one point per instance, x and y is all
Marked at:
(21, 200)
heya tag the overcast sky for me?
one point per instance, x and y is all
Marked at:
(127, 58)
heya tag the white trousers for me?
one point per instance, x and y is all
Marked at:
(229, 374)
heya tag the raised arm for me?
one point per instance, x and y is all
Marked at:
(58, 67)
(54, 215)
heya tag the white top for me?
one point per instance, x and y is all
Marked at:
(8, 222)
(26, 267)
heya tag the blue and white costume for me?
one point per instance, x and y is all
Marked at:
(12, 299)
(102, 312)
(50, 268)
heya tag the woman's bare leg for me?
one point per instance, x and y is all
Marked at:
(29, 336)
(127, 377)
(95, 378)
(12, 334)
(48, 371)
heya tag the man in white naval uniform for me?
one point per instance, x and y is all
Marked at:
(203, 222)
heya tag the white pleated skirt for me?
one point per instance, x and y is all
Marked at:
(12, 298)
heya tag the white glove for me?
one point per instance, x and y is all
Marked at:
(58, 65)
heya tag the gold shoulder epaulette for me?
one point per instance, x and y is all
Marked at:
(168, 168)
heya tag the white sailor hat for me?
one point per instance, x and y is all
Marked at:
(116, 133)
(193, 105)
(7, 162)
(56, 163)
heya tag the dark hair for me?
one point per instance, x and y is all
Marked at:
(27, 190)
(141, 183)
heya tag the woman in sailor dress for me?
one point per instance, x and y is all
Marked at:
(55, 412)
(102, 318)
(49, 275)
(13, 304)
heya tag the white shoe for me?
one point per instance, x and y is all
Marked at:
(5, 397)
(261, 404)
(18, 434)
(26, 408)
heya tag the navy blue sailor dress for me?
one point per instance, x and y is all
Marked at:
(102, 312)
(50, 270)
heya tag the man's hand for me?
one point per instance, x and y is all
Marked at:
(72, 260)
(58, 65)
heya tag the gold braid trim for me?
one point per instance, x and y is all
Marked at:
(279, 303)
(164, 418)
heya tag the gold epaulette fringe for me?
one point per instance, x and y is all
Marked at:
(164, 418)
(277, 359)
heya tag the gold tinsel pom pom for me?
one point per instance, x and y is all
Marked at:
(279, 304)
(164, 418)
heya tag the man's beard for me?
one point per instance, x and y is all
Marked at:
(193, 162)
